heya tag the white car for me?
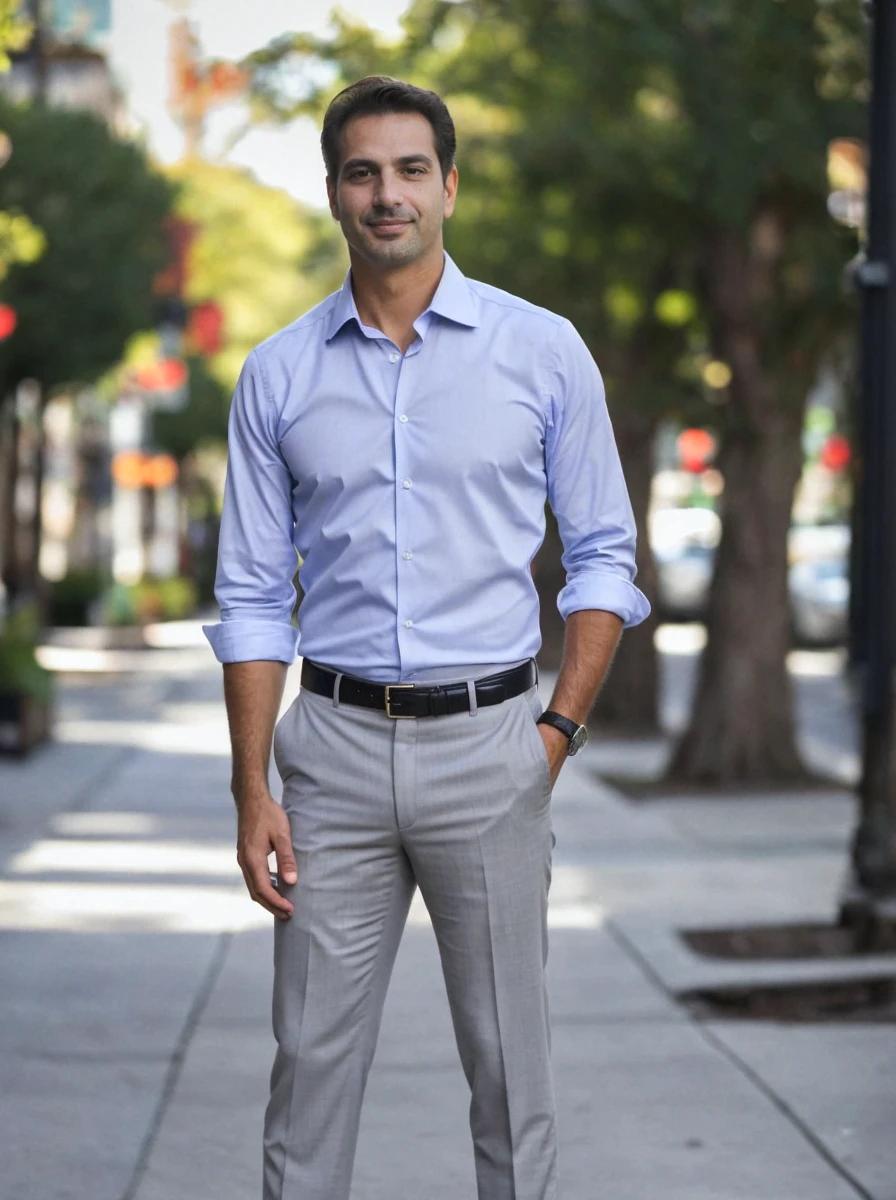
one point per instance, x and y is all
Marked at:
(684, 543)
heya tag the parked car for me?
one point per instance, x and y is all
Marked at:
(684, 543)
(683, 578)
(818, 582)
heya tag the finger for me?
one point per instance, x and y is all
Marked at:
(286, 863)
(258, 880)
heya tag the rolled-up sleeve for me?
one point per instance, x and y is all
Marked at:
(587, 490)
(257, 560)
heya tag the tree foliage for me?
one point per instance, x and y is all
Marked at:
(257, 253)
(657, 171)
(100, 206)
(15, 30)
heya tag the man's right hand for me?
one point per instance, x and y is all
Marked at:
(263, 826)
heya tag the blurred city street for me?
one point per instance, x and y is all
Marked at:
(136, 1005)
(268, 379)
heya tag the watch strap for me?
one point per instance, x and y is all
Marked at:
(564, 724)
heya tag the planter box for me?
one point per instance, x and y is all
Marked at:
(25, 721)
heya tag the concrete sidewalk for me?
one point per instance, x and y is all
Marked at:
(137, 975)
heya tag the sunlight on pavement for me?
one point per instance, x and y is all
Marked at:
(566, 910)
(575, 916)
(200, 738)
(189, 907)
(102, 661)
(163, 635)
(152, 908)
(142, 858)
(147, 908)
(100, 824)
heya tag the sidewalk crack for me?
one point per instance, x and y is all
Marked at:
(177, 1060)
(628, 947)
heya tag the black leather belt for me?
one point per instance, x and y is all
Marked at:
(399, 700)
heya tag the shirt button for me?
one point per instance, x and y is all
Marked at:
(408, 624)
(405, 483)
(393, 357)
(407, 554)
(403, 417)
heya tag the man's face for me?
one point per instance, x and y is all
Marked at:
(389, 196)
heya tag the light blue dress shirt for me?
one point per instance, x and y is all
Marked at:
(413, 488)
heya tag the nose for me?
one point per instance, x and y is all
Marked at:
(387, 193)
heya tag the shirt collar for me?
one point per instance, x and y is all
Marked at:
(454, 299)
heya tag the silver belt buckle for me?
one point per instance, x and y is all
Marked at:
(398, 716)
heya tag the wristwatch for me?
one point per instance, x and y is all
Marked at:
(577, 734)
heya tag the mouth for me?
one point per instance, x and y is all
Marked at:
(389, 226)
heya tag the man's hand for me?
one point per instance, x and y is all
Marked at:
(263, 826)
(556, 744)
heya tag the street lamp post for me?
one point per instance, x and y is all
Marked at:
(870, 895)
(37, 51)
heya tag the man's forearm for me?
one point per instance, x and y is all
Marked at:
(590, 641)
(252, 693)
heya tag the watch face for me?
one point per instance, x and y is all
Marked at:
(578, 739)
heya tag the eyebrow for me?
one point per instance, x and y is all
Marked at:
(404, 161)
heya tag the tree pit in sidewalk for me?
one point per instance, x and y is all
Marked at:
(646, 788)
(870, 999)
(852, 1001)
(803, 940)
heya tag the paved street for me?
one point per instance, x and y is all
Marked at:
(137, 975)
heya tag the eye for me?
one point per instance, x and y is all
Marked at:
(415, 170)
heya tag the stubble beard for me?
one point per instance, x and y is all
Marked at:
(404, 249)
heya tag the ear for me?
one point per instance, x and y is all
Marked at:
(331, 198)
(450, 192)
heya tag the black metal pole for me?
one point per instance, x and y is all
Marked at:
(871, 892)
(37, 51)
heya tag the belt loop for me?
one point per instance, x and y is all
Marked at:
(339, 675)
(471, 692)
(535, 664)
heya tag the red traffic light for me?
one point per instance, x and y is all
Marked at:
(836, 453)
(8, 321)
(695, 448)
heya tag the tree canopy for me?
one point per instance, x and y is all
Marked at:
(100, 207)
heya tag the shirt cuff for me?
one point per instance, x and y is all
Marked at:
(601, 589)
(244, 640)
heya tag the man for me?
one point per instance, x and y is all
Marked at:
(403, 437)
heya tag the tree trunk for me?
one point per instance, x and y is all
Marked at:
(547, 571)
(630, 695)
(37, 585)
(9, 474)
(742, 726)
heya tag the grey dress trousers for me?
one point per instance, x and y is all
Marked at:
(459, 806)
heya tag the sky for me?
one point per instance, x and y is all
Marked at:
(137, 50)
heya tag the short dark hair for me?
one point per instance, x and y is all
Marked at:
(383, 94)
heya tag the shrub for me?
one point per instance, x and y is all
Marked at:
(19, 669)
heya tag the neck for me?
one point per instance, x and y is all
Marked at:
(391, 300)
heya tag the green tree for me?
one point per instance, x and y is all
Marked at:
(263, 259)
(696, 135)
(657, 171)
(257, 253)
(99, 206)
(15, 30)
(523, 226)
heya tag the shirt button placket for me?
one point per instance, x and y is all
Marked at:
(404, 486)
